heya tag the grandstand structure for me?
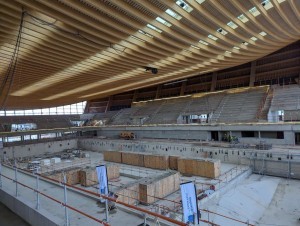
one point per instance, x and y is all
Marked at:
(160, 92)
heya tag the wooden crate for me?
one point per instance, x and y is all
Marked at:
(133, 158)
(153, 188)
(112, 156)
(199, 167)
(88, 177)
(156, 161)
(173, 162)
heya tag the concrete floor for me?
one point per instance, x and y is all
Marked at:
(261, 200)
(8, 218)
(81, 202)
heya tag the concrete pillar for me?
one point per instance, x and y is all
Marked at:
(252, 73)
(182, 89)
(213, 82)
(158, 92)
(134, 95)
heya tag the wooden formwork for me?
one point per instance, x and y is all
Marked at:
(112, 156)
(156, 161)
(133, 158)
(129, 194)
(153, 188)
(72, 176)
(199, 167)
(173, 162)
(88, 177)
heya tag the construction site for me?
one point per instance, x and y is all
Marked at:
(235, 186)
(149, 112)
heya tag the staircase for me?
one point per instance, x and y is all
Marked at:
(215, 117)
(152, 116)
(264, 112)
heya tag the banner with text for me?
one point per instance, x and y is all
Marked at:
(189, 203)
(103, 180)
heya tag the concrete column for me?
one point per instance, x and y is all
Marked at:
(158, 92)
(252, 73)
(213, 82)
(134, 95)
(182, 89)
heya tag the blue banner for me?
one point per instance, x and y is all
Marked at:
(189, 203)
(103, 180)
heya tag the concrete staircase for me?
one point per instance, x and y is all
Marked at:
(264, 112)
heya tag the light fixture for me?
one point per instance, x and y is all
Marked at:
(152, 69)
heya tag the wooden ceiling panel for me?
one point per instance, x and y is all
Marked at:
(70, 51)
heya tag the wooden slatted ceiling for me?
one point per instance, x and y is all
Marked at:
(85, 49)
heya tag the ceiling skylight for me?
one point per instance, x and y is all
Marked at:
(228, 52)
(203, 42)
(154, 28)
(134, 37)
(263, 33)
(195, 47)
(200, 1)
(184, 5)
(144, 33)
(212, 37)
(222, 31)
(267, 4)
(162, 21)
(173, 14)
(254, 11)
(232, 25)
(245, 43)
(235, 47)
(243, 18)
(280, 1)
(253, 38)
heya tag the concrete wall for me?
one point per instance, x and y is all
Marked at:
(157, 147)
(203, 132)
(27, 211)
(38, 148)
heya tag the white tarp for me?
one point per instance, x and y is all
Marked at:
(189, 203)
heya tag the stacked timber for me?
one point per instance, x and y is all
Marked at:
(153, 188)
(173, 162)
(88, 176)
(72, 176)
(156, 161)
(199, 167)
(133, 158)
(112, 156)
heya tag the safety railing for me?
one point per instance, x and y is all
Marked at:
(157, 211)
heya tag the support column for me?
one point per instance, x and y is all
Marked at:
(252, 73)
(134, 95)
(182, 89)
(213, 81)
(158, 92)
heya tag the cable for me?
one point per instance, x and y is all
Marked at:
(12, 66)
